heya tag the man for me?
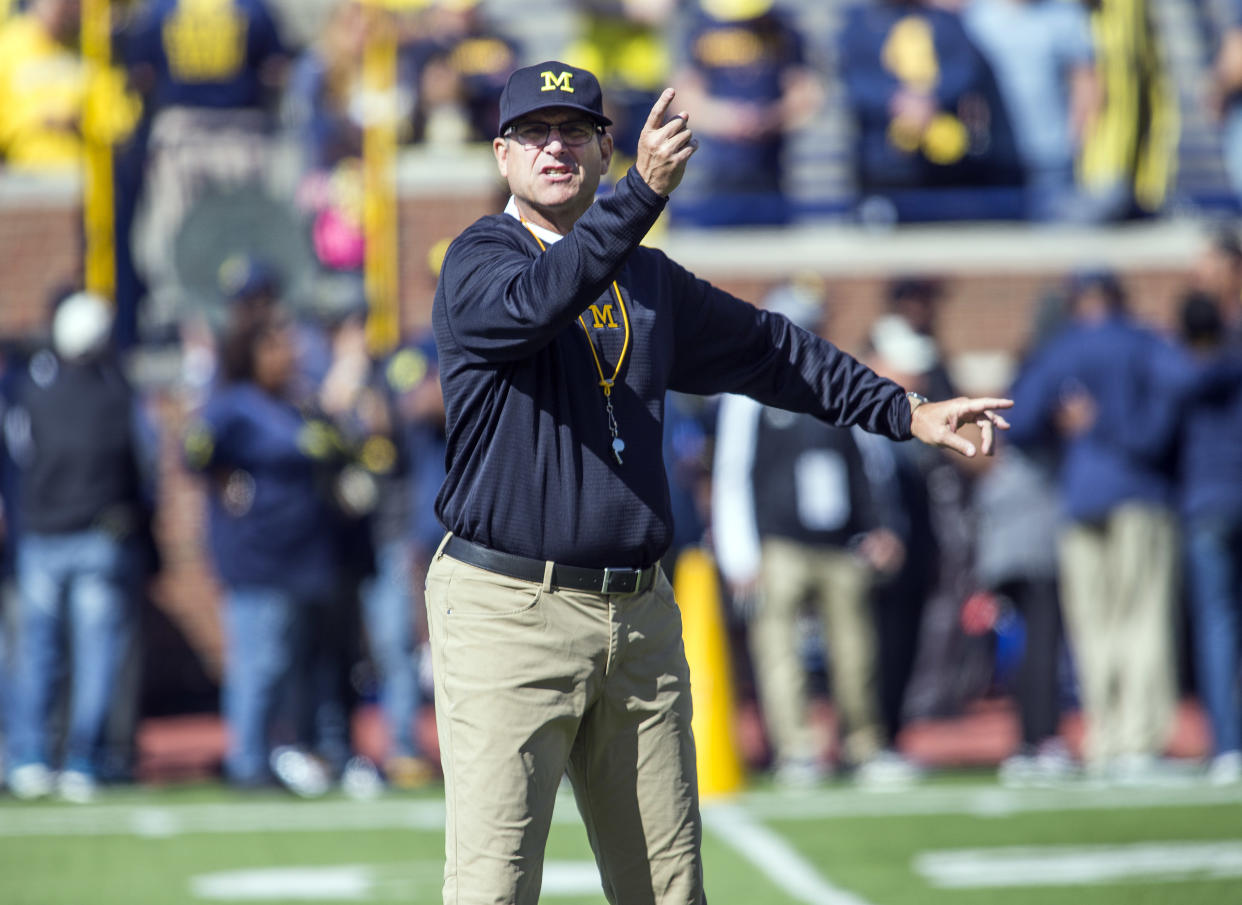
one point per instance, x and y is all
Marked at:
(794, 523)
(1117, 548)
(1044, 60)
(44, 88)
(84, 505)
(556, 641)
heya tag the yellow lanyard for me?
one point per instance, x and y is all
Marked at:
(618, 445)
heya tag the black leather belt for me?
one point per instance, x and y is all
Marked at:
(574, 578)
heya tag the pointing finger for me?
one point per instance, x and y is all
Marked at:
(655, 118)
(989, 437)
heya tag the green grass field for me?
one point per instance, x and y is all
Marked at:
(955, 840)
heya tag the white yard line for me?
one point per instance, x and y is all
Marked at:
(980, 800)
(122, 817)
(774, 857)
(1077, 865)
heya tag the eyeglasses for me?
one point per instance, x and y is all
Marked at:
(533, 134)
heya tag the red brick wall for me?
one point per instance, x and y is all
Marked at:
(40, 249)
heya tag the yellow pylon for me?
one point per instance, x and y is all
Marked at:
(697, 588)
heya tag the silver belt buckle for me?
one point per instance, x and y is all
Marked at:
(626, 581)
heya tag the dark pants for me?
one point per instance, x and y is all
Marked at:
(1036, 692)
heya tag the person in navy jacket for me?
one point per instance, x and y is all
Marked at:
(556, 641)
(1208, 422)
(1118, 544)
(271, 529)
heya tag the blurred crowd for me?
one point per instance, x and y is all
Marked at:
(1093, 565)
(1043, 110)
(902, 582)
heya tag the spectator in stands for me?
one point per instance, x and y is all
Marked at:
(927, 108)
(84, 505)
(460, 65)
(793, 523)
(1226, 91)
(210, 71)
(270, 471)
(324, 107)
(624, 42)
(1128, 155)
(746, 83)
(1209, 437)
(379, 404)
(44, 91)
(1087, 391)
(1044, 60)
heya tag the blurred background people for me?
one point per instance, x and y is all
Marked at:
(383, 407)
(460, 62)
(44, 90)
(625, 43)
(1085, 391)
(1217, 272)
(1044, 60)
(1225, 93)
(269, 470)
(1129, 153)
(926, 107)
(210, 73)
(85, 502)
(746, 83)
(794, 526)
(1209, 443)
(1019, 515)
(323, 108)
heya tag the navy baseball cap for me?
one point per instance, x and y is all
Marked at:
(551, 84)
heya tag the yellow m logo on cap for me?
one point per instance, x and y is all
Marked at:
(557, 81)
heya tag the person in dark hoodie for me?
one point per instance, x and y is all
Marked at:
(84, 511)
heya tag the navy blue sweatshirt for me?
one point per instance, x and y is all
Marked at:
(530, 464)
(1125, 456)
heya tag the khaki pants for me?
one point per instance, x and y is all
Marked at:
(530, 682)
(1118, 587)
(838, 583)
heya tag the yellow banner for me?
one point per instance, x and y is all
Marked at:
(379, 187)
(97, 199)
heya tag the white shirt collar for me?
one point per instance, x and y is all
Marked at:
(546, 235)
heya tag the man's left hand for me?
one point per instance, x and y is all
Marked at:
(937, 423)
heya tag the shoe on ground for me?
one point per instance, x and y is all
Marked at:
(801, 773)
(76, 787)
(1053, 764)
(300, 772)
(1017, 771)
(31, 781)
(1225, 769)
(360, 780)
(887, 770)
(407, 772)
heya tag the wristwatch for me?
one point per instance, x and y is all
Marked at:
(916, 399)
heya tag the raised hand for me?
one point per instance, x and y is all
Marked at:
(664, 147)
(937, 423)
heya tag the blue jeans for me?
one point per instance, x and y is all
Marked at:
(1231, 141)
(275, 667)
(74, 586)
(388, 607)
(1214, 563)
